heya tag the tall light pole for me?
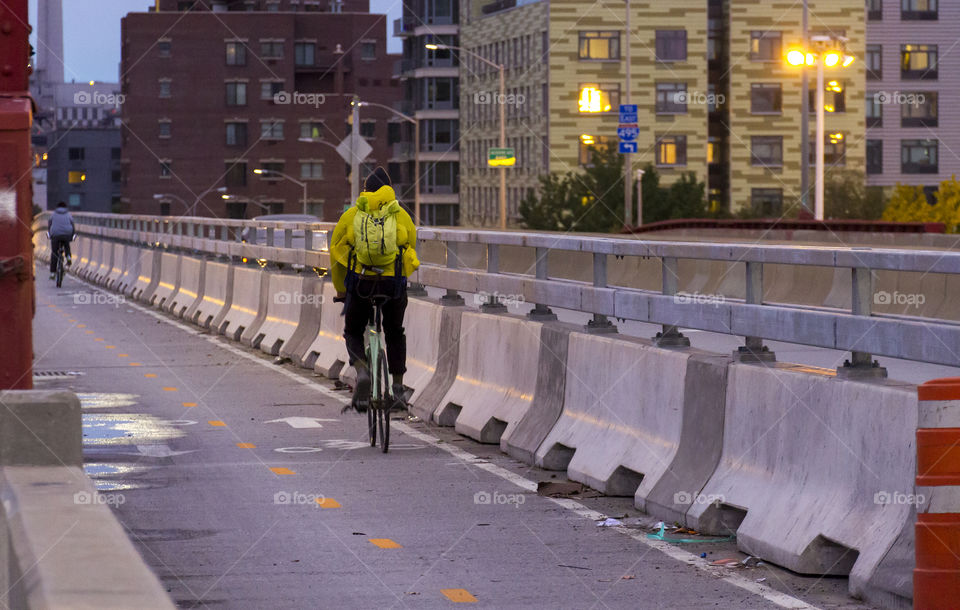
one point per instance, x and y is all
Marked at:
(805, 116)
(354, 161)
(627, 157)
(416, 154)
(827, 53)
(503, 119)
(269, 172)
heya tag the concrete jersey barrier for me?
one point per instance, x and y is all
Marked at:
(245, 305)
(285, 304)
(190, 286)
(169, 282)
(208, 310)
(327, 353)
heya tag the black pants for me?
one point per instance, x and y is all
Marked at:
(55, 242)
(359, 312)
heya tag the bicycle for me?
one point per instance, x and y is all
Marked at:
(58, 275)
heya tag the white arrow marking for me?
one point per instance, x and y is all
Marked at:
(158, 451)
(181, 422)
(301, 422)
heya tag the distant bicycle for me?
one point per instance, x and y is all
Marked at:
(61, 264)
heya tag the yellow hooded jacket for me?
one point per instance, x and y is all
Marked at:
(342, 240)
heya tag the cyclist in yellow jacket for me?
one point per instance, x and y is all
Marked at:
(372, 252)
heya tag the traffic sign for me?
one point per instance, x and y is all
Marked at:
(354, 146)
(502, 157)
(629, 147)
(628, 113)
(628, 132)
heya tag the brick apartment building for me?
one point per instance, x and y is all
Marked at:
(218, 88)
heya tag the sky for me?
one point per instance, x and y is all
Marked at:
(91, 32)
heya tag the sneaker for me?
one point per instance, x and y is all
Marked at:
(69, 261)
(361, 393)
(53, 276)
(401, 394)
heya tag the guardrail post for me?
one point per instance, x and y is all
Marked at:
(600, 324)
(492, 303)
(753, 349)
(670, 336)
(861, 364)
(453, 261)
(542, 313)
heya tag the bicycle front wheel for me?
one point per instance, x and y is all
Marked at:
(60, 270)
(383, 405)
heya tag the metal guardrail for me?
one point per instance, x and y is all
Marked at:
(857, 330)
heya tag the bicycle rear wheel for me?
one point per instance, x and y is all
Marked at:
(383, 405)
(60, 268)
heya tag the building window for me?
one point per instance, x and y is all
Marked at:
(766, 98)
(834, 150)
(236, 54)
(874, 107)
(600, 45)
(368, 128)
(671, 98)
(311, 6)
(599, 97)
(75, 154)
(76, 177)
(919, 157)
(671, 45)
(271, 49)
(834, 97)
(236, 134)
(671, 150)
(163, 48)
(116, 176)
(766, 151)
(270, 88)
(765, 46)
(311, 129)
(368, 50)
(919, 110)
(918, 61)
(918, 10)
(271, 170)
(874, 156)
(874, 62)
(164, 87)
(273, 7)
(874, 10)
(116, 153)
(235, 173)
(304, 53)
(75, 200)
(236, 94)
(767, 202)
(311, 170)
(271, 129)
(163, 129)
(589, 144)
(165, 171)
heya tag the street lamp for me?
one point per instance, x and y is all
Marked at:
(162, 196)
(269, 172)
(193, 209)
(416, 154)
(503, 122)
(826, 52)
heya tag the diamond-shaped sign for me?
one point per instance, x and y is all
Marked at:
(354, 145)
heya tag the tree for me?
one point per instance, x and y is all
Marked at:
(846, 195)
(947, 208)
(908, 204)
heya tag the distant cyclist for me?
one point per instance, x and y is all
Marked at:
(372, 254)
(60, 230)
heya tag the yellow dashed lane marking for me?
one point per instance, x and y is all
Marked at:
(73, 321)
(458, 595)
(327, 503)
(169, 389)
(82, 326)
(150, 375)
(135, 364)
(385, 543)
(246, 445)
(189, 404)
(99, 339)
(123, 355)
(281, 470)
(216, 422)
(89, 332)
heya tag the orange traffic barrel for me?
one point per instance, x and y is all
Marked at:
(936, 577)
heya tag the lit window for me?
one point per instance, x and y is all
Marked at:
(599, 98)
(76, 177)
(589, 144)
(599, 45)
(672, 150)
(236, 54)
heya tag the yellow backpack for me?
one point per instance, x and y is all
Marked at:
(375, 234)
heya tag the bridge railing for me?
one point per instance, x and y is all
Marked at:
(857, 329)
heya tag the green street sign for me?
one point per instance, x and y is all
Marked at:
(502, 157)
